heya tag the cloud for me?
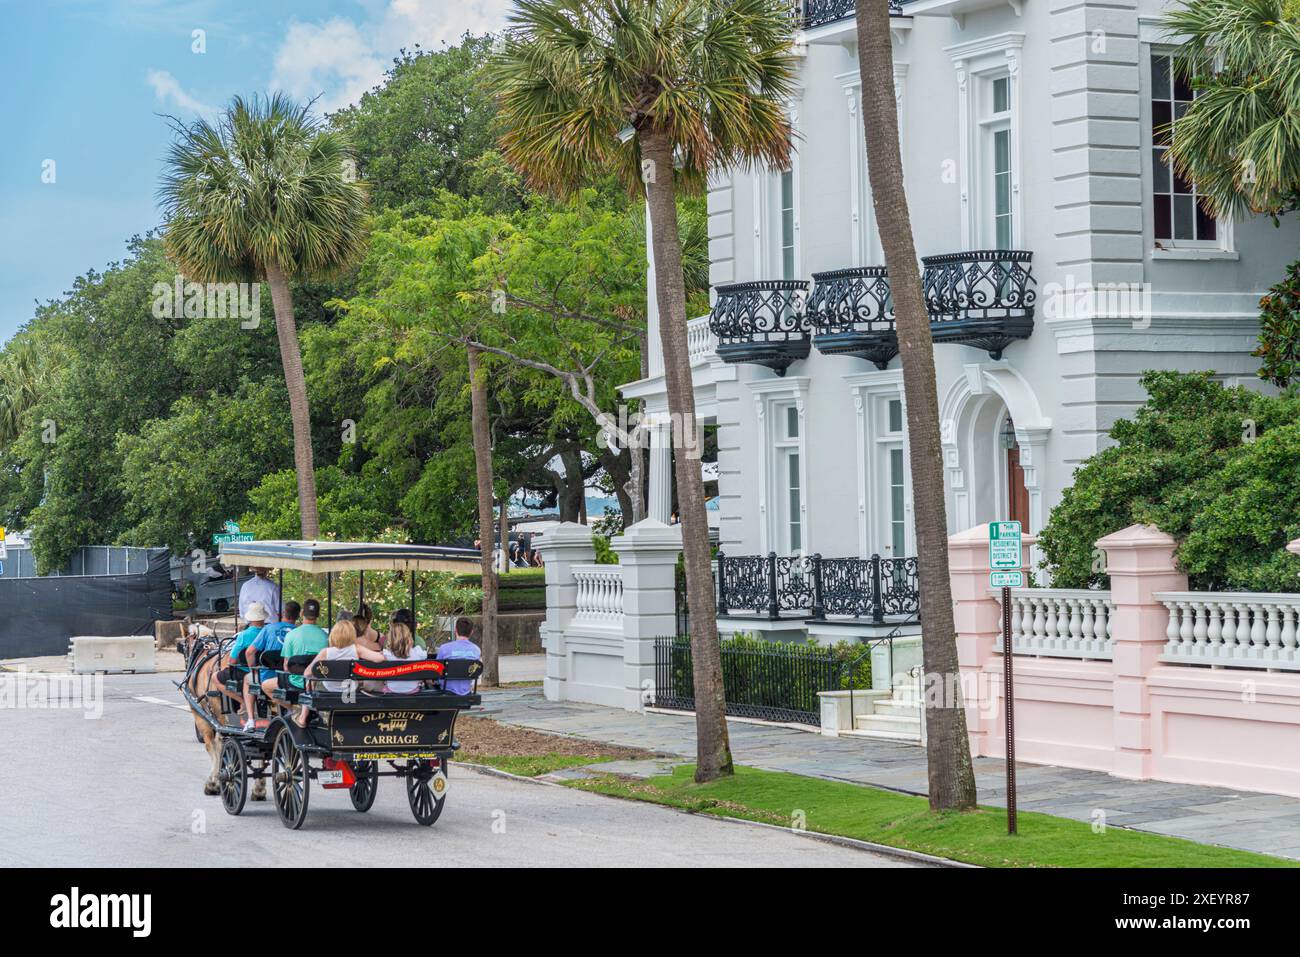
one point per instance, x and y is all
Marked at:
(169, 91)
(339, 59)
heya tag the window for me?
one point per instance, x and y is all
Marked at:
(1176, 208)
(995, 123)
(787, 225)
(790, 494)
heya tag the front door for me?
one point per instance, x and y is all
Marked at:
(1018, 495)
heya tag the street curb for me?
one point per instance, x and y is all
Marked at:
(836, 839)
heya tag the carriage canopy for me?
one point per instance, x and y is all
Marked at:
(322, 557)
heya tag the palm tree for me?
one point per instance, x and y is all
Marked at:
(663, 92)
(1239, 140)
(483, 481)
(24, 373)
(951, 776)
(266, 194)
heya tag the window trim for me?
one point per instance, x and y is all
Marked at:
(978, 63)
(872, 392)
(771, 398)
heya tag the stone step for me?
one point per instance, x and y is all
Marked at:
(898, 709)
(886, 722)
(914, 737)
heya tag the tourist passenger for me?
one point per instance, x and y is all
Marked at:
(342, 647)
(259, 588)
(307, 639)
(269, 639)
(256, 617)
(460, 647)
(400, 646)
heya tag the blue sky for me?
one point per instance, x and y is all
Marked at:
(83, 84)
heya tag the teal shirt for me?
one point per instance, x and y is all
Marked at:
(303, 640)
(243, 641)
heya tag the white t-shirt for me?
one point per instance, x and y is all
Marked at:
(404, 687)
(339, 654)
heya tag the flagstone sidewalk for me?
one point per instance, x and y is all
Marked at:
(1267, 823)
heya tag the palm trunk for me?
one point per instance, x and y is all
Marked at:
(483, 476)
(713, 745)
(299, 409)
(951, 777)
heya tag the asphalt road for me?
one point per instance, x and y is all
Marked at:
(125, 789)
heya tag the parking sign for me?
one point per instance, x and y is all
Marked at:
(1004, 544)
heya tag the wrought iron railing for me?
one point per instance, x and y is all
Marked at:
(852, 313)
(763, 322)
(983, 298)
(810, 586)
(776, 683)
(818, 13)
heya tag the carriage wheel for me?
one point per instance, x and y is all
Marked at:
(426, 791)
(233, 776)
(291, 781)
(367, 786)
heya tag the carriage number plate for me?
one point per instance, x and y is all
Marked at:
(327, 778)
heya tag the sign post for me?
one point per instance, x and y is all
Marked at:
(1004, 565)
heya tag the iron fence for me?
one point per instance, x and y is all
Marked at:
(779, 683)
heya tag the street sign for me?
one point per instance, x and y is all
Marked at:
(229, 537)
(1004, 544)
(231, 527)
(1006, 580)
(3, 553)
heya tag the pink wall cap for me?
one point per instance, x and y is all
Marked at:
(979, 535)
(1293, 547)
(1138, 536)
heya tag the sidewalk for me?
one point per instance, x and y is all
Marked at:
(1266, 823)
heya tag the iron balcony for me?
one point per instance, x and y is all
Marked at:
(983, 298)
(852, 314)
(762, 322)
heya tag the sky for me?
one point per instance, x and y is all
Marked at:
(86, 85)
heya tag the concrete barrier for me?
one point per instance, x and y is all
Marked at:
(133, 653)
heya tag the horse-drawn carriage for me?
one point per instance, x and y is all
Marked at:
(356, 733)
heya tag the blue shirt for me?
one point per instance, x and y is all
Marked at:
(242, 642)
(271, 638)
(259, 589)
(459, 648)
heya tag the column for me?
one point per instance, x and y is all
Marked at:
(1140, 562)
(648, 554)
(659, 504)
(562, 547)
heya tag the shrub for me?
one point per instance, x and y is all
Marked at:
(1218, 468)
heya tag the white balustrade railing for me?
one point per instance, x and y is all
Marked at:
(1061, 622)
(700, 341)
(1232, 629)
(599, 596)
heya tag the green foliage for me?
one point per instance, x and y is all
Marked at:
(1238, 140)
(1279, 330)
(1218, 468)
(427, 127)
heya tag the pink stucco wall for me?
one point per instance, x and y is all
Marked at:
(1133, 716)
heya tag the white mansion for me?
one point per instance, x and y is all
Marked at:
(1033, 178)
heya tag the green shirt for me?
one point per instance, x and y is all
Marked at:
(303, 640)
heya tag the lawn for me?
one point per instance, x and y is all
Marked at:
(904, 821)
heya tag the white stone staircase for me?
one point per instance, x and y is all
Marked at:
(897, 717)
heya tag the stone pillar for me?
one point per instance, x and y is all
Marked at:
(562, 547)
(1140, 562)
(659, 504)
(648, 554)
(977, 620)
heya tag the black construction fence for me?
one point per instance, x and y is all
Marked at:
(772, 683)
(101, 592)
